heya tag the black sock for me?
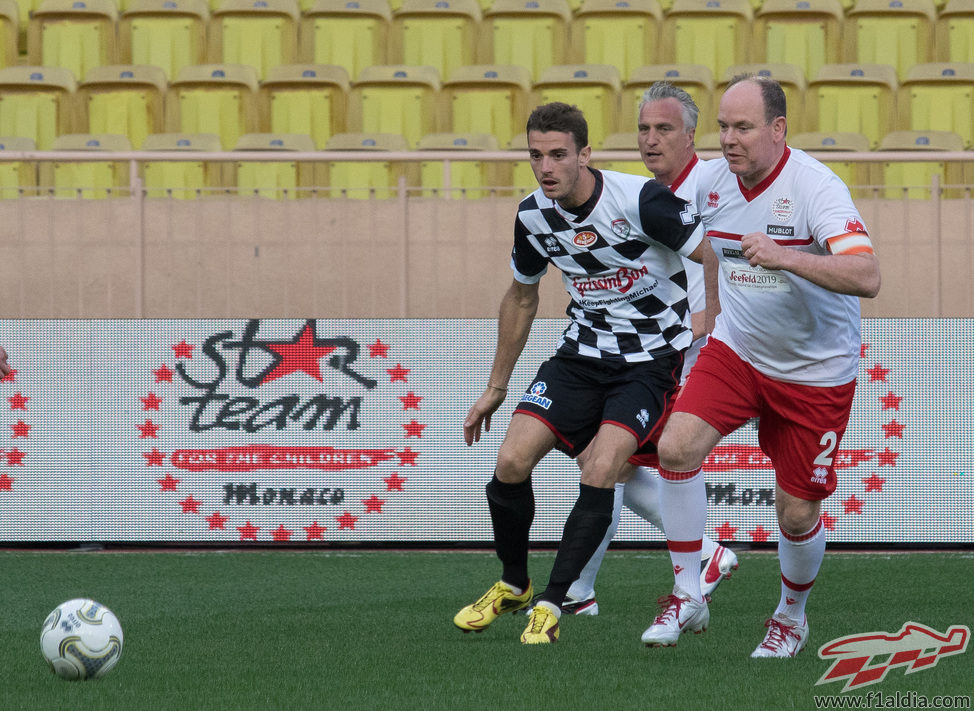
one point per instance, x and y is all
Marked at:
(584, 531)
(512, 513)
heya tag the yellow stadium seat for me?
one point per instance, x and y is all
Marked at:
(623, 33)
(182, 180)
(87, 179)
(696, 79)
(309, 99)
(954, 32)
(913, 179)
(277, 180)
(531, 33)
(487, 98)
(803, 32)
(24, 10)
(73, 34)
(37, 103)
(17, 178)
(792, 80)
(126, 99)
(627, 141)
(939, 97)
(437, 33)
(467, 179)
(594, 88)
(855, 174)
(522, 176)
(9, 32)
(170, 34)
(214, 98)
(709, 141)
(395, 99)
(261, 33)
(368, 179)
(895, 32)
(853, 98)
(716, 33)
(352, 33)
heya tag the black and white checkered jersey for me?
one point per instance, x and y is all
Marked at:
(619, 255)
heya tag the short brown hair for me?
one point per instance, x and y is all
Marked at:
(558, 116)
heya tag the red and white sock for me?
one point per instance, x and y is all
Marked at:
(683, 505)
(800, 558)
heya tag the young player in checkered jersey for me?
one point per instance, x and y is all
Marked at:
(793, 259)
(619, 241)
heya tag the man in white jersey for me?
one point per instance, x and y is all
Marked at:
(618, 240)
(793, 257)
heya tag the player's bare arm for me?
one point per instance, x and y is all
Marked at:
(711, 270)
(4, 365)
(517, 311)
(854, 274)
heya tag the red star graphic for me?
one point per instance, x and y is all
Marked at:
(168, 483)
(877, 372)
(248, 531)
(397, 374)
(886, 458)
(407, 456)
(163, 374)
(183, 349)
(890, 401)
(852, 505)
(862, 349)
(394, 482)
(15, 457)
(148, 429)
(828, 521)
(281, 534)
(314, 531)
(190, 505)
(155, 458)
(151, 402)
(874, 483)
(378, 349)
(414, 429)
(216, 521)
(759, 534)
(18, 402)
(346, 520)
(725, 532)
(894, 429)
(6, 483)
(20, 429)
(9, 377)
(410, 401)
(301, 354)
(373, 504)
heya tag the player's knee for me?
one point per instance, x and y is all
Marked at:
(511, 468)
(674, 454)
(797, 517)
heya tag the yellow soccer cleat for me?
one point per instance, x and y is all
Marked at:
(542, 626)
(494, 603)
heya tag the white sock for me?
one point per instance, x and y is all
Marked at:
(683, 503)
(709, 547)
(800, 558)
(641, 495)
(551, 606)
(584, 587)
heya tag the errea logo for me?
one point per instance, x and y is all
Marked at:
(820, 475)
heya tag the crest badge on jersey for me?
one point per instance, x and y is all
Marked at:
(713, 198)
(783, 208)
(621, 227)
(585, 239)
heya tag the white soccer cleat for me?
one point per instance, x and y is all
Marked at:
(785, 638)
(716, 568)
(678, 614)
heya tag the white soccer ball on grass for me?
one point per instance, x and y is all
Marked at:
(81, 639)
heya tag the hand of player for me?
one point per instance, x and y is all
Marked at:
(480, 414)
(4, 365)
(762, 251)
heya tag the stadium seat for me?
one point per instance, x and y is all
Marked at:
(9, 33)
(366, 180)
(442, 34)
(261, 33)
(709, 141)
(467, 179)
(895, 32)
(696, 79)
(803, 32)
(716, 33)
(852, 98)
(911, 179)
(487, 98)
(623, 33)
(522, 176)
(123, 99)
(792, 80)
(17, 178)
(594, 88)
(277, 180)
(87, 179)
(37, 103)
(531, 33)
(854, 174)
(395, 99)
(938, 97)
(182, 180)
(627, 141)
(954, 32)
(351, 33)
(73, 34)
(214, 98)
(170, 34)
(309, 99)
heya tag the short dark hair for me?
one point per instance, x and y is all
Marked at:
(558, 116)
(772, 94)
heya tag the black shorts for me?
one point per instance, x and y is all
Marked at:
(574, 396)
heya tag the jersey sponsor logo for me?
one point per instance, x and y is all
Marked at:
(621, 227)
(820, 476)
(783, 208)
(643, 417)
(713, 198)
(551, 244)
(733, 253)
(781, 231)
(855, 225)
(585, 239)
(535, 395)
(621, 281)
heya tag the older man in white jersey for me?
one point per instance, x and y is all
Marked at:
(794, 256)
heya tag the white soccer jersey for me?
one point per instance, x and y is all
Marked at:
(785, 326)
(620, 258)
(685, 186)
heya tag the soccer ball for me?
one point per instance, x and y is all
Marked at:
(81, 639)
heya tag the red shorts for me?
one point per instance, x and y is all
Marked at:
(800, 426)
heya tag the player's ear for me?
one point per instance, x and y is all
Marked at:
(780, 128)
(584, 156)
